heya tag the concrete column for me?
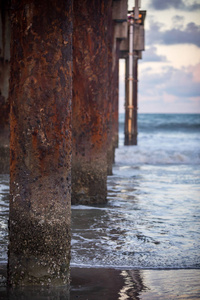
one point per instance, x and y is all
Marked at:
(40, 142)
(4, 85)
(111, 54)
(115, 90)
(90, 101)
(114, 96)
(120, 9)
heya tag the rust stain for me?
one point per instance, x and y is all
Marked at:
(91, 102)
(41, 142)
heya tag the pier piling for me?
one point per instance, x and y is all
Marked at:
(4, 85)
(135, 48)
(90, 101)
(40, 142)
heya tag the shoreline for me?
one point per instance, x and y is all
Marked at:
(112, 284)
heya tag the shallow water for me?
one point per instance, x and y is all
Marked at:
(4, 211)
(152, 218)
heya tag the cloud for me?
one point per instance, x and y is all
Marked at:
(196, 72)
(150, 55)
(168, 104)
(189, 35)
(168, 90)
(177, 18)
(177, 21)
(181, 83)
(176, 4)
(172, 90)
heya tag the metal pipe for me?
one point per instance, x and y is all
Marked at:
(130, 64)
(131, 114)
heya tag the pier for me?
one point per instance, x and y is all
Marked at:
(59, 97)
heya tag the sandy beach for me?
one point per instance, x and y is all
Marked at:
(113, 284)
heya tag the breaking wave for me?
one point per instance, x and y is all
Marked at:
(137, 155)
(166, 122)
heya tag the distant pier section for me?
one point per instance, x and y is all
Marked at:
(131, 50)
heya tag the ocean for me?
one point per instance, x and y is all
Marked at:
(152, 218)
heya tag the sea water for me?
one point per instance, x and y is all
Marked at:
(152, 218)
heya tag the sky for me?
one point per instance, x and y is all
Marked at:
(169, 71)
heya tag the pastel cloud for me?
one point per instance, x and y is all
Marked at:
(188, 35)
(177, 4)
(176, 82)
(177, 21)
(168, 104)
(150, 55)
(196, 72)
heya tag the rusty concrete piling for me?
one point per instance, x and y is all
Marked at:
(120, 32)
(40, 142)
(99, 27)
(115, 94)
(110, 144)
(4, 84)
(90, 101)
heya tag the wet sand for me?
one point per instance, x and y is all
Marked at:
(113, 284)
(108, 284)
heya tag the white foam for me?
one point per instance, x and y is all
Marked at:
(86, 207)
(137, 155)
(3, 188)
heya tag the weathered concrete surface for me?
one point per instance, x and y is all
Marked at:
(40, 143)
(120, 33)
(119, 10)
(115, 92)
(4, 84)
(110, 141)
(90, 101)
(117, 33)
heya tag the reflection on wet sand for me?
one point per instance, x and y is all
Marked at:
(133, 285)
(160, 284)
(112, 284)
